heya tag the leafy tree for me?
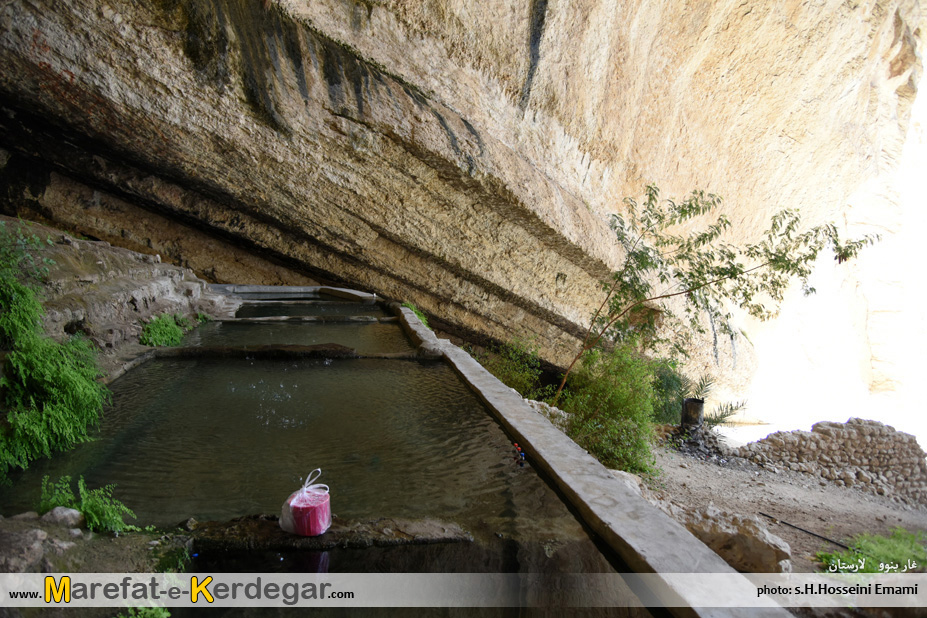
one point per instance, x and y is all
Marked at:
(701, 269)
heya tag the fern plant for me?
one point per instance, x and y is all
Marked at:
(49, 393)
(99, 508)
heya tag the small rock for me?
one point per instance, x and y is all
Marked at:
(63, 516)
(27, 516)
(61, 546)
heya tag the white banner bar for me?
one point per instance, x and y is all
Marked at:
(462, 590)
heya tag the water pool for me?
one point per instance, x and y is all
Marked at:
(221, 438)
(366, 338)
(308, 307)
(217, 439)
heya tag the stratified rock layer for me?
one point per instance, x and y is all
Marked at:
(107, 293)
(462, 156)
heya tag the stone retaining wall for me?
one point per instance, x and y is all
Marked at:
(860, 453)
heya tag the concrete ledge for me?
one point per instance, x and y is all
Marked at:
(262, 352)
(323, 319)
(644, 537)
(131, 362)
(296, 291)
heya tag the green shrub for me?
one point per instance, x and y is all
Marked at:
(49, 394)
(162, 330)
(668, 389)
(418, 314)
(871, 550)
(610, 402)
(100, 509)
(202, 318)
(175, 560)
(672, 387)
(517, 365)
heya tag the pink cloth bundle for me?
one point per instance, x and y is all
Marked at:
(308, 510)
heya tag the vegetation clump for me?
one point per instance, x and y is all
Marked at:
(874, 553)
(49, 393)
(673, 387)
(610, 403)
(100, 509)
(517, 365)
(626, 373)
(417, 312)
(165, 330)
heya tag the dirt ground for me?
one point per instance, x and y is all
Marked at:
(739, 486)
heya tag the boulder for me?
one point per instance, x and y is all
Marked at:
(63, 516)
(21, 551)
(632, 481)
(743, 541)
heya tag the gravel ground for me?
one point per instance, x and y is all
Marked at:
(739, 486)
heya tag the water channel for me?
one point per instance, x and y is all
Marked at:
(216, 439)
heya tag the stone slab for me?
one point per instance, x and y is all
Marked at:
(647, 539)
(302, 291)
(263, 533)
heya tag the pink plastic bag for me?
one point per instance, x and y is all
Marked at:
(308, 510)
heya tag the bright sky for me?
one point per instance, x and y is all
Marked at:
(810, 368)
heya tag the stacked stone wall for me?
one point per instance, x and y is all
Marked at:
(859, 453)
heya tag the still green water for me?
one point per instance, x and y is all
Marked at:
(216, 439)
(313, 308)
(366, 338)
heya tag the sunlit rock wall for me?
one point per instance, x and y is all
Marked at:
(464, 156)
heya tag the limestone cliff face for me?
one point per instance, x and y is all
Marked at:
(461, 155)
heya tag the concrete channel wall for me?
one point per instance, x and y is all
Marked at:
(644, 537)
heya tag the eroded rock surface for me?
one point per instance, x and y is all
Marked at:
(51, 545)
(107, 293)
(466, 160)
(743, 541)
